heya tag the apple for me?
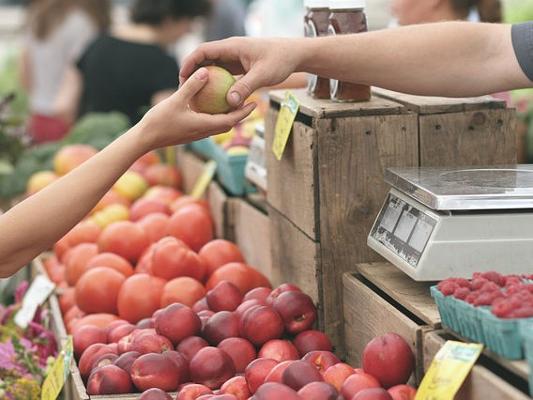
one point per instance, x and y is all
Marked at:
(318, 391)
(308, 341)
(224, 297)
(300, 373)
(257, 371)
(357, 383)
(177, 322)
(279, 350)
(373, 394)
(211, 367)
(276, 391)
(211, 99)
(297, 311)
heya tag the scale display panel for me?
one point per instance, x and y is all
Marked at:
(403, 229)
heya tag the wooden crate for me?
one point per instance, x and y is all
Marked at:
(488, 379)
(379, 299)
(328, 187)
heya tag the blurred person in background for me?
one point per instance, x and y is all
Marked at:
(410, 12)
(58, 32)
(226, 20)
(130, 69)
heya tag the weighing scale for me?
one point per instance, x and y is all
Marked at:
(438, 223)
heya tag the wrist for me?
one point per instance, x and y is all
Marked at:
(138, 140)
(305, 51)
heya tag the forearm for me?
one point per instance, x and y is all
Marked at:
(35, 224)
(448, 59)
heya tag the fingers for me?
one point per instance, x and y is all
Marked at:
(224, 122)
(193, 85)
(245, 86)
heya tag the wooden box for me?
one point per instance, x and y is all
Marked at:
(380, 299)
(328, 188)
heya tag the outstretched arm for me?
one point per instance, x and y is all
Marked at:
(453, 59)
(35, 224)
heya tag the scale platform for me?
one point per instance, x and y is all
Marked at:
(438, 223)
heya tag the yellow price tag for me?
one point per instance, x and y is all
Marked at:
(55, 380)
(204, 180)
(287, 115)
(448, 371)
(171, 156)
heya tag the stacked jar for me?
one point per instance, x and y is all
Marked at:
(316, 25)
(347, 17)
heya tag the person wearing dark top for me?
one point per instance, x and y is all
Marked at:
(129, 69)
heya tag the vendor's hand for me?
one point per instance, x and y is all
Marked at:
(262, 62)
(172, 122)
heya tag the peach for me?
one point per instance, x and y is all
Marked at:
(220, 326)
(125, 360)
(260, 294)
(39, 181)
(149, 343)
(279, 350)
(236, 386)
(156, 371)
(308, 341)
(70, 157)
(190, 346)
(241, 351)
(211, 99)
(357, 383)
(193, 391)
(300, 373)
(337, 374)
(402, 392)
(286, 287)
(181, 362)
(224, 297)
(276, 391)
(318, 391)
(372, 394)
(257, 371)
(155, 394)
(389, 359)
(90, 355)
(177, 322)
(260, 324)
(86, 336)
(146, 323)
(322, 360)
(211, 367)
(119, 332)
(109, 379)
(297, 311)
(245, 306)
(204, 317)
(276, 375)
(200, 305)
(115, 324)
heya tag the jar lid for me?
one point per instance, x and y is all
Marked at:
(316, 3)
(346, 4)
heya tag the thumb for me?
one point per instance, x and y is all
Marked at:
(244, 87)
(193, 85)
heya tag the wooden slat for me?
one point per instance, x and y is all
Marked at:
(191, 167)
(218, 201)
(251, 229)
(352, 159)
(327, 109)
(437, 105)
(292, 182)
(367, 315)
(481, 384)
(468, 138)
(412, 295)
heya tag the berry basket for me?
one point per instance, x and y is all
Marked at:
(527, 337)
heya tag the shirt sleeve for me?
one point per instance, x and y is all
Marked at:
(522, 35)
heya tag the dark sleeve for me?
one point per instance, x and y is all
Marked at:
(165, 76)
(522, 35)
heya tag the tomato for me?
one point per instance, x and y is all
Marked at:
(164, 175)
(84, 232)
(98, 320)
(164, 194)
(125, 239)
(54, 269)
(241, 275)
(172, 260)
(140, 297)
(155, 226)
(97, 290)
(219, 252)
(143, 207)
(187, 200)
(150, 158)
(73, 313)
(110, 198)
(113, 261)
(67, 300)
(182, 290)
(193, 225)
(76, 262)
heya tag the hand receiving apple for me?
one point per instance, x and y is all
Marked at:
(173, 122)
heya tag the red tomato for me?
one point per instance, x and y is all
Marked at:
(219, 252)
(140, 297)
(125, 239)
(97, 290)
(193, 225)
(171, 259)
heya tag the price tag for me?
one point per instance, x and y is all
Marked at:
(448, 371)
(36, 295)
(205, 179)
(55, 380)
(286, 117)
(170, 156)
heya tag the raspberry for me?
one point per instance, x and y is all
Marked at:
(490, 287)
(486, 298)
(478, 282)
(461, 282)
(447, 288)
(495, 277)
(461, 293)
(522, 312)
(502, 307)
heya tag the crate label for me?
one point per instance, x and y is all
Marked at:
(448, 370)
(286, 117)
(204, 180)
(55, 380)
(36, 295)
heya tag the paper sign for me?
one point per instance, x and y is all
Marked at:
(287, 115)
(36, 295)
(448, 370)
(55, 380)
(205, 179)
